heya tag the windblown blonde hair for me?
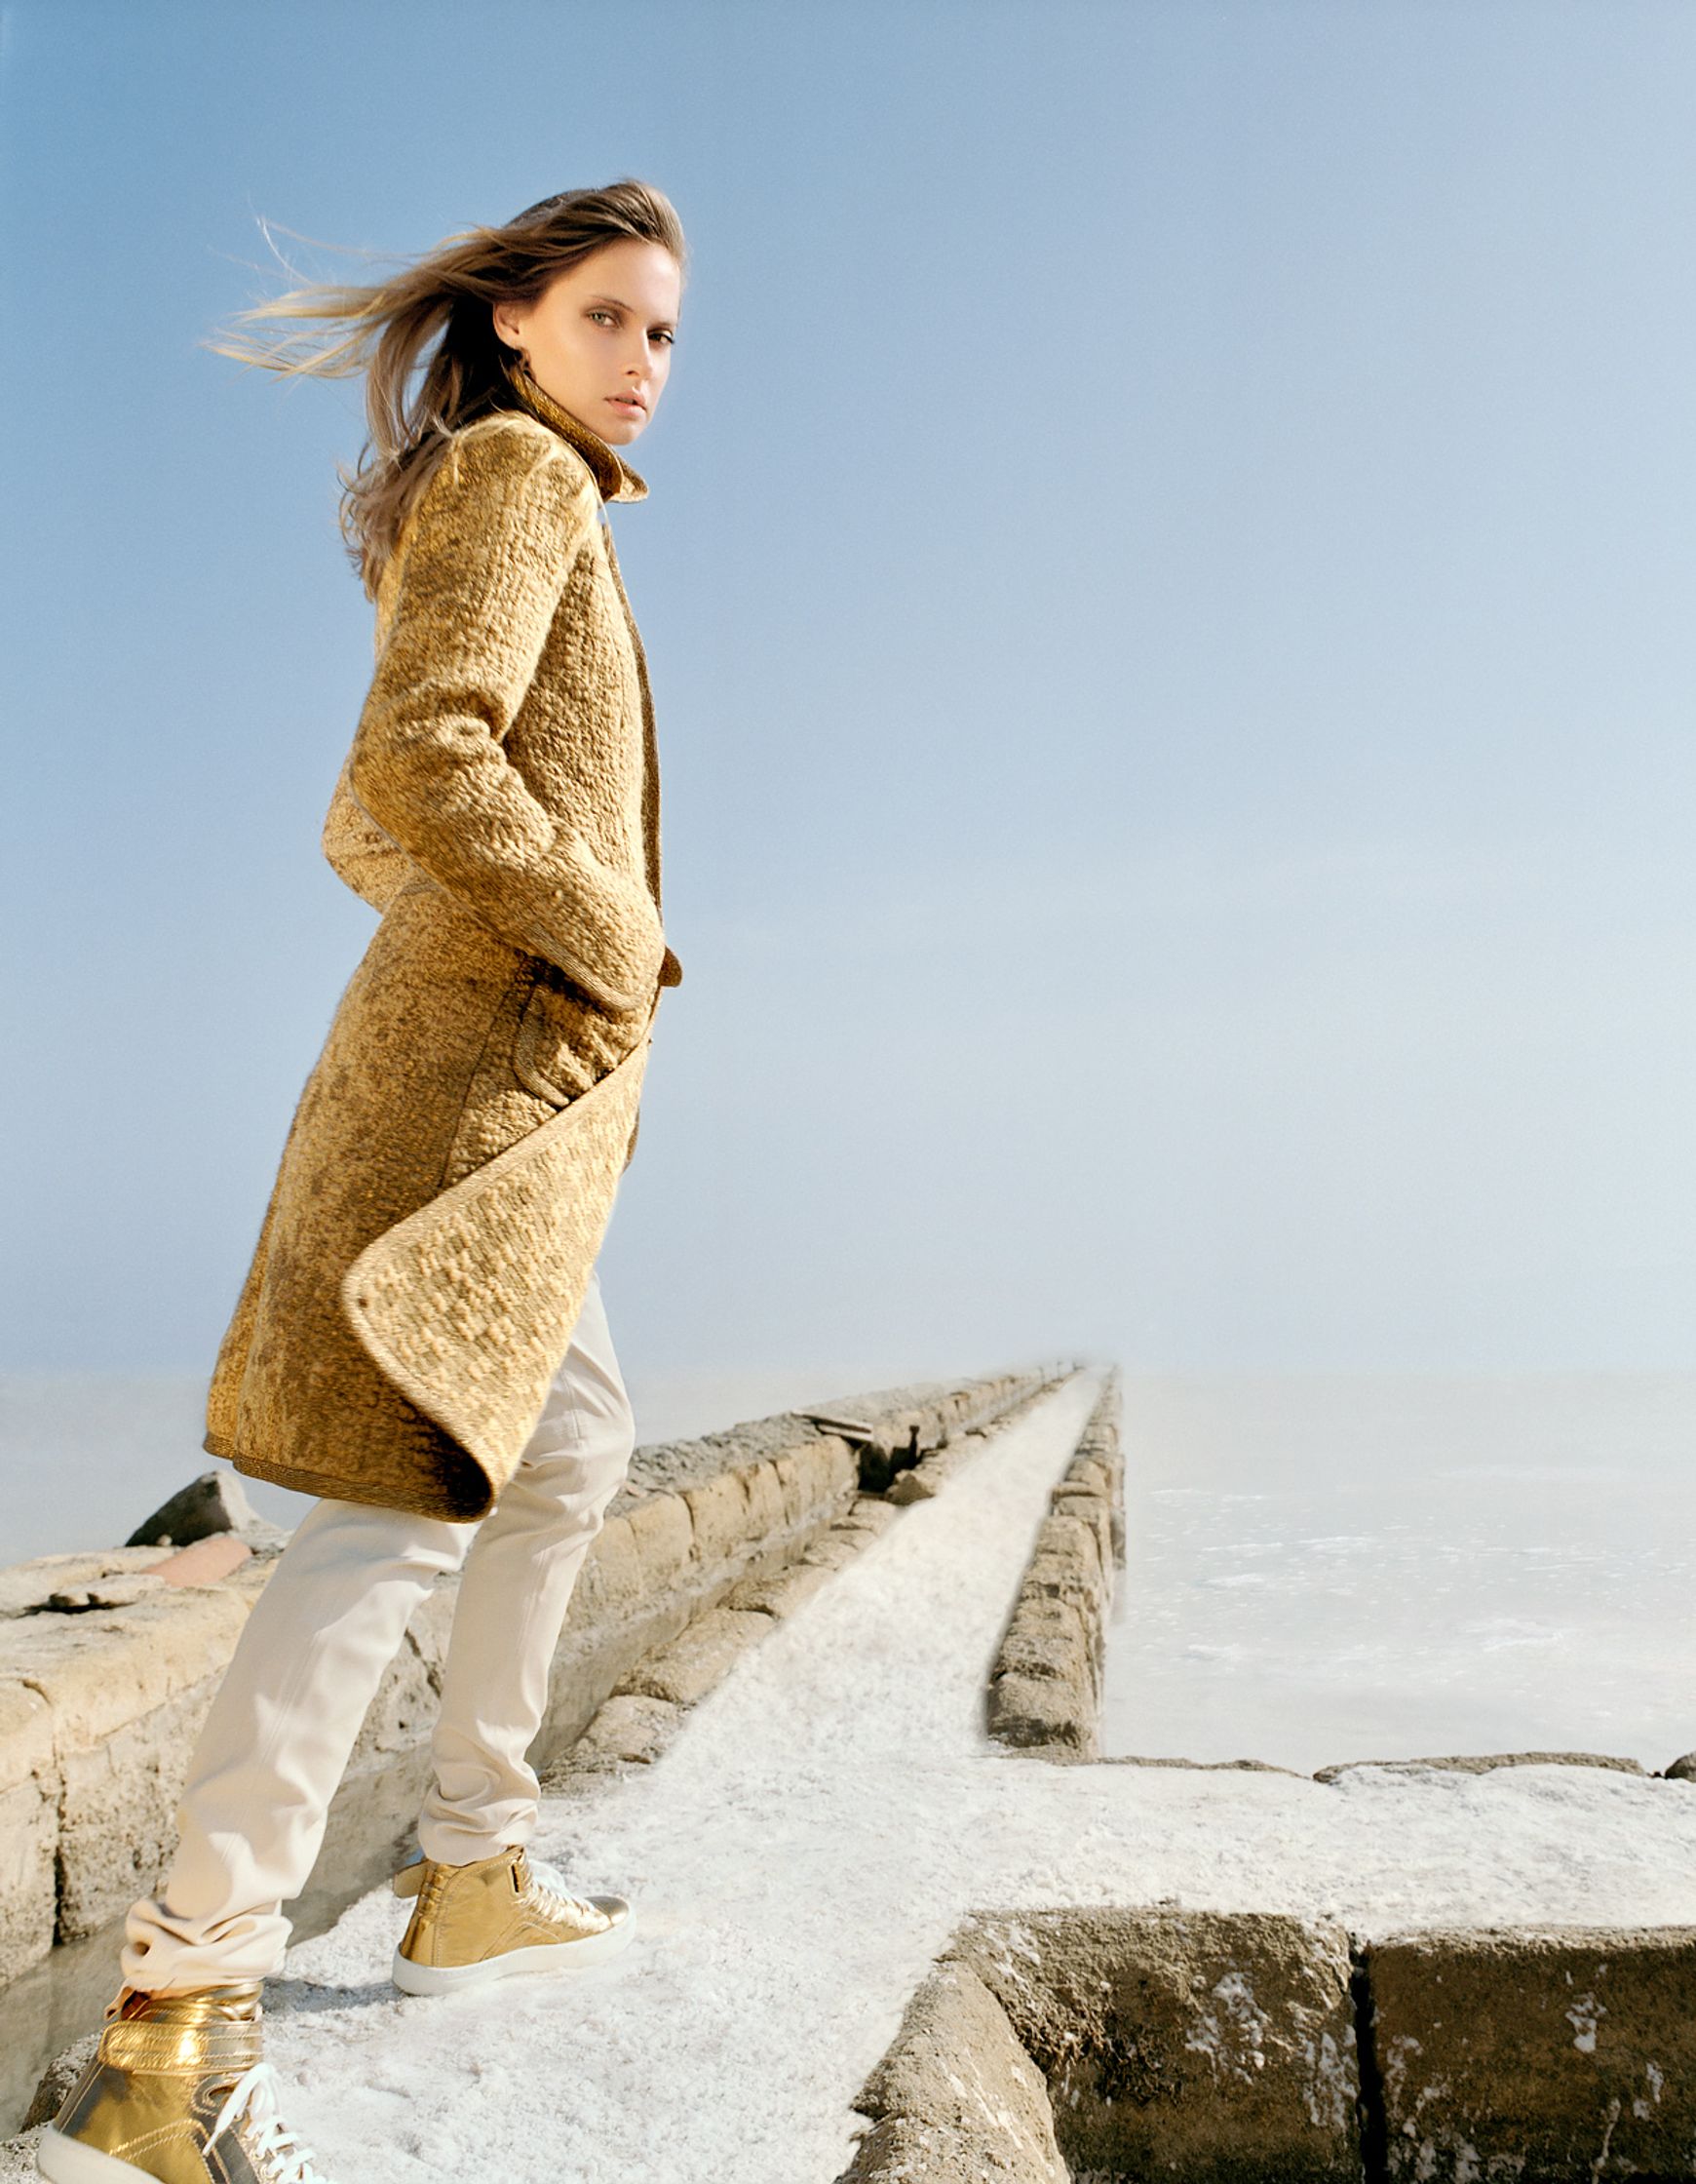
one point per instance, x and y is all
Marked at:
(384, 330)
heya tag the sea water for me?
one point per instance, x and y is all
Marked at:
(1363, 1565)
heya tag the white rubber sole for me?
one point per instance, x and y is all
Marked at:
(541, 1958)
(67, 2161)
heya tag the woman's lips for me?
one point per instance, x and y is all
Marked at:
(623, 402)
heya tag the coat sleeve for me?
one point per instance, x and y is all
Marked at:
(360, 852)
(493, 538)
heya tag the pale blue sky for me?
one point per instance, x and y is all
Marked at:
(1168, 580)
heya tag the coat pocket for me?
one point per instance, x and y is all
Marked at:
(565, 1042)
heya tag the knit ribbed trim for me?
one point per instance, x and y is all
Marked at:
(616, 478)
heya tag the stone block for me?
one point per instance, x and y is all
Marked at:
(1090, 1509)
(664, 1535)
(1079, 1538)
(688, 1667)
(1087, 1474)
(1048, 1638)
(780, 1592)
(118, 1816)
(767, 1517)
(832, 1550)
(842, 1466)
(1042, 1710)
(1063, 1570)
(214, 1502)
(956, 2065)
(628, 1727)
(126, 1692)
(806, 1479)
(867, 1512)
(1554, 2052)
(99, 1672)
(1216, 2046)
(26, 1734)
(718, 1512)
(29, 1785)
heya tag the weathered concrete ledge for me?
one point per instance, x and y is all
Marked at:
(1044, 1683)
(1222, 2046)
(107, 1667)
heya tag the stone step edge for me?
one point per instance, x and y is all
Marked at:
(1427, 2054)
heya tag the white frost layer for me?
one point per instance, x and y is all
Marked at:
(807, 1845)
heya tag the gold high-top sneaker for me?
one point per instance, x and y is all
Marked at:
(495, 1917)
(178, 2091)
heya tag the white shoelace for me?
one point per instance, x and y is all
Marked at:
(552, 1881)
(255, 2092)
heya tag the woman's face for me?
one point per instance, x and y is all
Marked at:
(598, 339)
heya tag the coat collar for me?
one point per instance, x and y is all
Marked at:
(616, 478)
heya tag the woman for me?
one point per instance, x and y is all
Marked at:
(420, 1341)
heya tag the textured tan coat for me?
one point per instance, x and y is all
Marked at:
(452, 1161)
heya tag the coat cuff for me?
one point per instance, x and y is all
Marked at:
(603, 931)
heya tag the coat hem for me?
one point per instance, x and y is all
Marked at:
(432, 1401)
(299, 1480)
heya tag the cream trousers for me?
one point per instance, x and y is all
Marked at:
(330, 1618)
